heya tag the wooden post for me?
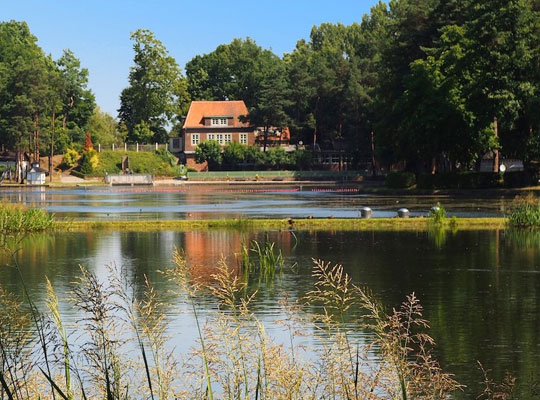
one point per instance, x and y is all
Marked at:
(137, 146)
(156, 146)
(496, 151)
(99, 147)
(113, 147)
(125, 146)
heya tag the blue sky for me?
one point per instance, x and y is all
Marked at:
(98, 31)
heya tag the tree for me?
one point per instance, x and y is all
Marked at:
(103, 128)
(157, 91)
(234, 153)
(232, 71)
(209, 151)
(273, 100)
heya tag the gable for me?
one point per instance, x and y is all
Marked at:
(199, 111)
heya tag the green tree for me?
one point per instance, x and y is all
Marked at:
(234, 153)
(209, 151)
(232, 71)
(157, 91)
(272, 102)
(103, 128)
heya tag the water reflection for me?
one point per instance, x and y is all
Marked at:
(480, 290)
(215, 201)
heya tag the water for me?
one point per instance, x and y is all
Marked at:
(224, 201)
(480, 290)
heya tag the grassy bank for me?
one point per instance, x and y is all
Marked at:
(155, 163)
(274, 224)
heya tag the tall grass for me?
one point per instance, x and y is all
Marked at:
(525, 212)
(234, 357)
(15, 218)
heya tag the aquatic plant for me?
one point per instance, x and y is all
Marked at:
(234, 357)
(17, 218)
(525, 212)
(437, 214)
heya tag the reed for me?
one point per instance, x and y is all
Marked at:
(525, 212)
(234, 357)
(15, 218)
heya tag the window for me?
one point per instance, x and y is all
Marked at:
(243, 138)
(211, 136)
(218, 122)
(228, 138)
(220, 138)
(194, 139)
(176, 143)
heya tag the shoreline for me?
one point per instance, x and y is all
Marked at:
(303, 224)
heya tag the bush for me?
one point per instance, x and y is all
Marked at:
(89, 161)
(459, 180)
(209, 151)
(234, 154)
(166, 156)
(400, 180)
(71, 156)
(518, 179)
(277, 157)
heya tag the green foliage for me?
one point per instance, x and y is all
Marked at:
(459, 180)
(438, 214)
(525, 212)
(141, 133)
(71, 156)
(234, 153)
(400, 180)
(89, 162)
(209, 151)
(157, 91)
(104, 129)
(143, 162)
(16, 218)
(277, 157)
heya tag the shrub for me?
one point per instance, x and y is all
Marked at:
(89, 161)
(400, 180)
(459, 180)
(277, 157)
(71, 156)
(209, 151)
(234, 153)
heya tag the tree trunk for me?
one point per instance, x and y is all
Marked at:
(496, 151)
(51, 155)
(265, 138)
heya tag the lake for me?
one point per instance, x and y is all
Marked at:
(480, 289)
(243, 201)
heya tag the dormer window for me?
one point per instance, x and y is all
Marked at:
(218, 122)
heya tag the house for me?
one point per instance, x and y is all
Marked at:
(220, 121)
(36, 176)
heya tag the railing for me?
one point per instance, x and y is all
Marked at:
(131, 147)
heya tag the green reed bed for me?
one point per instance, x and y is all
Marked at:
(525, 212)
(234, 357)
(289, 224)
(19, 218)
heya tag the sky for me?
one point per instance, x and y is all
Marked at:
(98, 31)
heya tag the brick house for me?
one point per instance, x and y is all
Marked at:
(219, 121)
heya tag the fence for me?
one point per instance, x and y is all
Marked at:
(132, 147)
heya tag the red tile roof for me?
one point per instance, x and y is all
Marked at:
(200, 109)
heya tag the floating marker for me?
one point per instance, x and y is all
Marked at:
(403, 213)
(366, 212)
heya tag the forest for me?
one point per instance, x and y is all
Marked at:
(433, 85)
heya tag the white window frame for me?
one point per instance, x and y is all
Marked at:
(211, 136)
(195, 139)
(228, 138)
(218, 122)
(243, 139)
(220, 138)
